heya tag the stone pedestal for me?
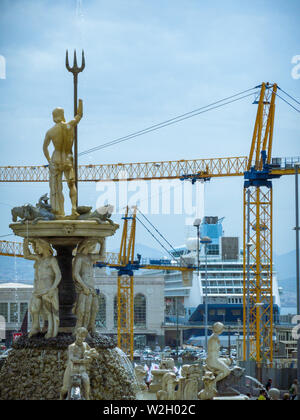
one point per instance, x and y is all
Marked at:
(156, 383)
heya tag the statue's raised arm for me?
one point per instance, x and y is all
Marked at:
(79, 114)
(27, 253)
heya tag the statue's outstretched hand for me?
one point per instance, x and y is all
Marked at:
(80, 108)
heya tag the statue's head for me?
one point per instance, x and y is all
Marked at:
(208, 377)
(81, 334)
(87, 246)
(42, 247)
(58, 115)
(218, 328)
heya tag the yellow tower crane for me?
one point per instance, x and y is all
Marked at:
(11, 249)
(258, 234)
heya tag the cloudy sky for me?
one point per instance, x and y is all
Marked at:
(146, 62)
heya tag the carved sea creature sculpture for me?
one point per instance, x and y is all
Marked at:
(33, 214)
(101, 215)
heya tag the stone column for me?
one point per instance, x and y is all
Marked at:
(66, 288)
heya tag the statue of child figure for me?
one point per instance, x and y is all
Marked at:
(80, 356)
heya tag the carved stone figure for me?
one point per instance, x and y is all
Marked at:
(80, 356)
(169, 383)
(33, 214)
(43, 203)
(44, 300)
(165, 366)
(61, 162)
(192, 375)
(216, 368)
(209, 391)
(189, 382)
(140, 375)
(217, 365)
(86, 306)
(101, 215)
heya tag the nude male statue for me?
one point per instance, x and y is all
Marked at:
(217, 365)
(87, 304)
(44, 299)
(79, 357)
(61, 162)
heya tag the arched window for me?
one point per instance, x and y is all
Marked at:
(124, 308)
(101, 315)
(140, 311)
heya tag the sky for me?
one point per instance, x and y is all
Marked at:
(146, 62)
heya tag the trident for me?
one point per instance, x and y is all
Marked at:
(75, 70)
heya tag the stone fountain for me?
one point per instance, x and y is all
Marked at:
(63, 248)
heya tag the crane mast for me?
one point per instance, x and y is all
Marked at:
(125, 284)
(258, 234)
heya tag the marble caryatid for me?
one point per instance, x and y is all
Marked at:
(86, 306)
(217, 365)
(80, 356)
(44, 299)
(61, 162)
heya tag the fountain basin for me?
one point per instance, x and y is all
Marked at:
(64, 232)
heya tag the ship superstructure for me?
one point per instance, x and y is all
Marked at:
(219, 281)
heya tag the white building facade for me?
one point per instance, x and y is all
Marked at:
(148, 307)
(14, 304)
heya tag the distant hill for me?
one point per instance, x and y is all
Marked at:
(285, 266)
(289, 284)
(147, 252)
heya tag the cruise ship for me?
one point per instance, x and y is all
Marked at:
(223, 292)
